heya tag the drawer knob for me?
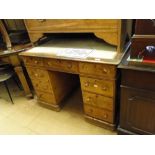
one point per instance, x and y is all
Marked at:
(105, 116)
(105, 70)
(104, 88)
(88, 99)
(36, 74)
(86, 84)
(49, 63)
(35, 61)
(69, 65)
(41, 20)
(95, 86)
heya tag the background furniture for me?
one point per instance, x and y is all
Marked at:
(10, 55)
(137, 106)
(113, 31)
(6, 72)
(144, 36)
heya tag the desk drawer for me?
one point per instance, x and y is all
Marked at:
(42, 85)
(69, 66)
(36, 73)
(99, 113)
(46, 97)
(71, 25)
(103, 87)
(33, 61)
(97, 69)
(98, 101)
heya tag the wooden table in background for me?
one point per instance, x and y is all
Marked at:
(13, 59)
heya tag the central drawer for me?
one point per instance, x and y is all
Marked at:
(103, 87)
(62, 65)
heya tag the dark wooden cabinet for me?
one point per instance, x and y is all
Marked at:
(143, 37)
(137, 104)
(145, 27)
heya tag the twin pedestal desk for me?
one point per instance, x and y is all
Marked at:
(53, 66)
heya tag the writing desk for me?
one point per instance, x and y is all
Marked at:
(95, 62)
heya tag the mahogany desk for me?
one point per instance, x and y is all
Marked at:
(49, 64)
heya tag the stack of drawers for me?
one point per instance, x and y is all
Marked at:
(50, 86)
(98, 82)
(40, 79)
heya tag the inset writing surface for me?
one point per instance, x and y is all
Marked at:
(77, 49)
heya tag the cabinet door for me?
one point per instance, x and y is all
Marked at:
(137, 111)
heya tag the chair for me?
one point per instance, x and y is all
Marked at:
(7, 72)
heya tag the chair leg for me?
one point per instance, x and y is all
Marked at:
(15, 80)
(5, 83)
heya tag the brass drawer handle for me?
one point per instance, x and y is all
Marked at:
(88, 99)
(105, 70)
(69, 65)
(86, 84)
(105, 116)
(104, 88)
(36, 74)
(49, 63)
(41, 20)
(35, 61)
(95, 86)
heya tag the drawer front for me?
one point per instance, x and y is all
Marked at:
(46, 97)
(42, 85)
(62, 25)
(103, 87)
(68, 66)
(98, 69)
(36, 73)
(98, 101)
(99, 113)
(33, 61)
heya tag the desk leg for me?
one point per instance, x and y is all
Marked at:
(23, 81)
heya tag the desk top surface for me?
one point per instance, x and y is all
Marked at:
(88, 50)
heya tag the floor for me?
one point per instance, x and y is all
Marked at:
(27, 117)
